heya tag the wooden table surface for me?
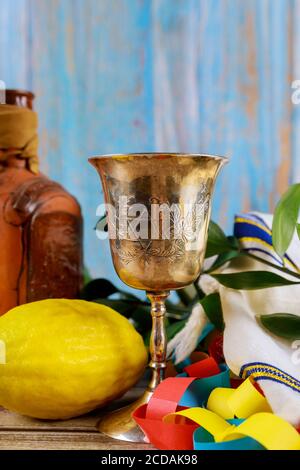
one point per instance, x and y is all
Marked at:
(22, 433)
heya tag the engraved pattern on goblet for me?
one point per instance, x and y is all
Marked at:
(182, 227)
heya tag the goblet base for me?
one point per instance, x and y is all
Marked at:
(120, 425)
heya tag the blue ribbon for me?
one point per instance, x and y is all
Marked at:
(200, 389)
(203, 440)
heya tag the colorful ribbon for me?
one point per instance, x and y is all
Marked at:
(240, 403)
(175, 418)
(174, 394)
(269, 430)
(203, 440)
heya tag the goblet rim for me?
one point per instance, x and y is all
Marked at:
(121, 156)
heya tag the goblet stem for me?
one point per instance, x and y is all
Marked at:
(158, 339)
(120, 424)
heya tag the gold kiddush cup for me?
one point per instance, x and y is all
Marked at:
(158, 208)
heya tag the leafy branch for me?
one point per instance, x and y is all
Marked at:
(226, 249)
(284, 325)
(285, 219)
(285, 223)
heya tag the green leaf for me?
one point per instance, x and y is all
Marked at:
(213, 309)
(187, 294)
(86, 276)
(273, 266)
(174, 328)
(234, 242)
(222, 259)
(98, 288)
(285, 219)
(176, 312)
(199, 292)
(298, 230)
(284, 325)
(217, 242)
(252, 280)
(102, 288)
(141, 318)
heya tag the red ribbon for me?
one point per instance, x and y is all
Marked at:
(202, 369)
(165, 400)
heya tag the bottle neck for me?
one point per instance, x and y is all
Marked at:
(21, 98)
(13, 161)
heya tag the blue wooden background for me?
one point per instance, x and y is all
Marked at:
(113, 76)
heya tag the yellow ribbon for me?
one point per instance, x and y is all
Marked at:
(271, 431)
(240, 403)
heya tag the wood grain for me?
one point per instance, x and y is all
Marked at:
(34, 440)
(21, 433)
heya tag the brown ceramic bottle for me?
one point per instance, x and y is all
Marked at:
(41, 231)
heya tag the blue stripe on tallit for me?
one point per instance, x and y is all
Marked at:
(257, 232)
(263, 371)
(260, 220)
(260, 250)
(242, 229)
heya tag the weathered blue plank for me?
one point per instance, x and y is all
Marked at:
(209, 76)
(223, 77)
(93, 80)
